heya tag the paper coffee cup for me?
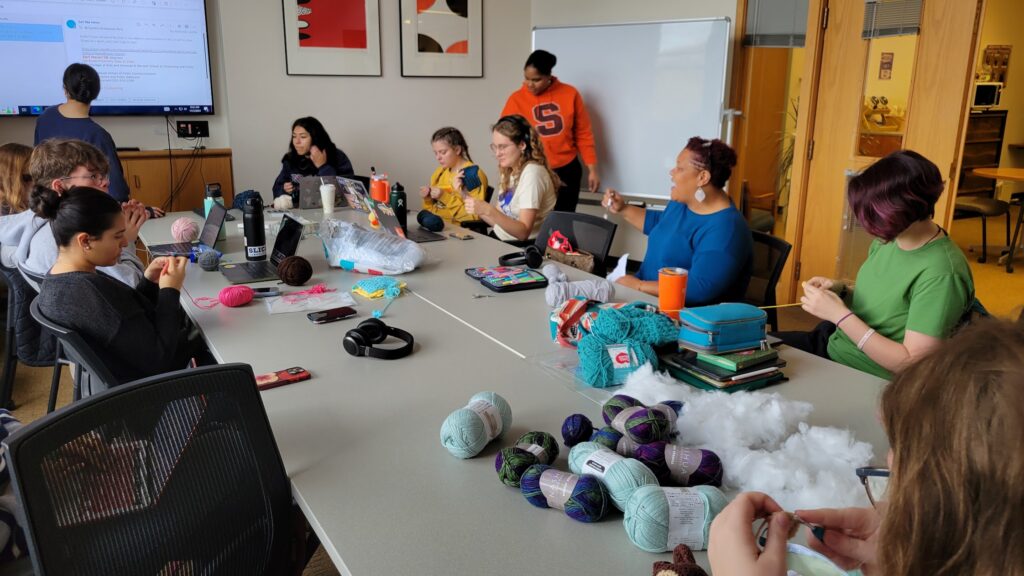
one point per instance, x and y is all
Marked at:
(327, 192)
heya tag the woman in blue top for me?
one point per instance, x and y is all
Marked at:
(310, 153)
(700, 229)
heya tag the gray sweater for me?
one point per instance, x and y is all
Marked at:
(135, 332)
(37, 249)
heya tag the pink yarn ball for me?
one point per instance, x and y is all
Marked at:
(184, 229)
(235, 296)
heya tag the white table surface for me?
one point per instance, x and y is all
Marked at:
(360, 441)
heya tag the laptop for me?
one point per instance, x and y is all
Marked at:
(285, 245)
(207, 237)
(389, 222)
(309, 192)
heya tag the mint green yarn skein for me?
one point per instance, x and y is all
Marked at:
(647, 516)
(465, 431)
(622, 476)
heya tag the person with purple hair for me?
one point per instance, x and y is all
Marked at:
(915, 286)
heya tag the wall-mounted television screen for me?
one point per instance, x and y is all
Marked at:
(153, 56)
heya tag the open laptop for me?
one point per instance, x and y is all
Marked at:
(389, 222)
(285, 245)
(207, 237)
(309, 192)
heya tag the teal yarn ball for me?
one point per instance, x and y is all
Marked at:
(622, 476)
(613, 324)
(466, 431)
(531, 448)
(647, 515)
(617, 404)
(655, 329)
(588, 501)
(595, 366)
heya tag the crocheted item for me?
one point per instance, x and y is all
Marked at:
(378, 286)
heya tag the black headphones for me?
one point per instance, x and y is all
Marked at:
(360, 340)
(531, 256)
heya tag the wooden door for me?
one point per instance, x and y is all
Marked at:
(935, 113)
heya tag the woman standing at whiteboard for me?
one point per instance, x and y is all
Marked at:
(557, 111)
(699, 230)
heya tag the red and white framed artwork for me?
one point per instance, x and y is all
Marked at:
(442, 38)
(332, 37)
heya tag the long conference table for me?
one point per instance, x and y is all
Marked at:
(360, 440)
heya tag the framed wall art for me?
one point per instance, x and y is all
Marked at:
(332, 37)
(442, 38)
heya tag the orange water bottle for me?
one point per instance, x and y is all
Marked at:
(379, 186)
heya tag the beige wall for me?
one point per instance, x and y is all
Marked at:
(1001, 25)
(897, 88)
(149, 132)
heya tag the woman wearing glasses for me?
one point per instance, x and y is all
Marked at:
(527, 185)
(952, 505)
(60, 165)
(699, 230)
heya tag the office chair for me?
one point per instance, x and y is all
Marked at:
(584, 231)
(25, 342)
(91, 375)
(479, 225)
(769, 258)
(982, 207)
(174, 474)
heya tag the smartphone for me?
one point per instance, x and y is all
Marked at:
(282, 377)
(265, 292)
(461, 235)
(332, 315)
(470, 178)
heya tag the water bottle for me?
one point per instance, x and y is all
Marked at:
(252, 224)
(398, 204)
(213, 195)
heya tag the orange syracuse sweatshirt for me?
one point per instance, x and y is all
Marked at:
(560, 118)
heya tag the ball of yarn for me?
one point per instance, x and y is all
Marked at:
(613, 324)
(283, 202)
(531, 448)
(184, 229)
(576, 428)
(621, 476)
(642, 425)
(647, 515)
(430, 221)
(295, 270)
(617, 404)
(595, 367)
(679, 465)
(608, 437)
(235, 296)
(467, 430)
(209, 261)
(588, 501)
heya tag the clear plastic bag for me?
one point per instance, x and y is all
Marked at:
(311, 302)
(353, 247)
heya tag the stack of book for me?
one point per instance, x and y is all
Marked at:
(746, 370)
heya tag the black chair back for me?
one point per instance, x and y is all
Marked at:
(33, 279)
(26, 341)
(769, 257)
(91, 374)
(584, 231)
(178, 473)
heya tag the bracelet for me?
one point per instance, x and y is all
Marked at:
(848, 314)
(864, 338)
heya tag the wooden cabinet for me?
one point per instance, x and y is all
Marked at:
(983, 145)
(149, 176)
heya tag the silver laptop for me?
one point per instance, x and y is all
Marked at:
(207, 238)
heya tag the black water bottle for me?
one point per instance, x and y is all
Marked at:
(252, 224)
(398, 204)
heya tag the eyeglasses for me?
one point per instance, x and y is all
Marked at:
(495, 148)
(875, 481)
(95, 177)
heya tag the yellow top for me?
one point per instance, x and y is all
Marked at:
(449, 205)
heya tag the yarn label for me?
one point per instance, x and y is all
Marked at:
(686, 518)
(536, 450)
(670, 415)
(598, 463)
(682, 462)
(619, 422)
(627, 446)
(624, 362)
(557, 487)
(489, 415)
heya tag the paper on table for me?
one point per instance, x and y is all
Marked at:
(620, 269)
(312, 302)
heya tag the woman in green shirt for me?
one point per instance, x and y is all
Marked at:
(912, 290)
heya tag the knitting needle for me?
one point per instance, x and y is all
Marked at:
(781, 306)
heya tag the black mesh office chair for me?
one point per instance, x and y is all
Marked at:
(25, 341)
(91, 375)
(584, 231)
(769, 258)
(174, 474)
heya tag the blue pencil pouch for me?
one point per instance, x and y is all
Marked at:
(722, 327)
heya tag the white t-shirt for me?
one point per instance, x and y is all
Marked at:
(532, 190)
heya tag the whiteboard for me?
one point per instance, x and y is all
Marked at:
(648, 87)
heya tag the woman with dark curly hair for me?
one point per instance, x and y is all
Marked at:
(310, 153)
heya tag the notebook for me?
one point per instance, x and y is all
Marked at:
(207, 237)
(285, 245)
